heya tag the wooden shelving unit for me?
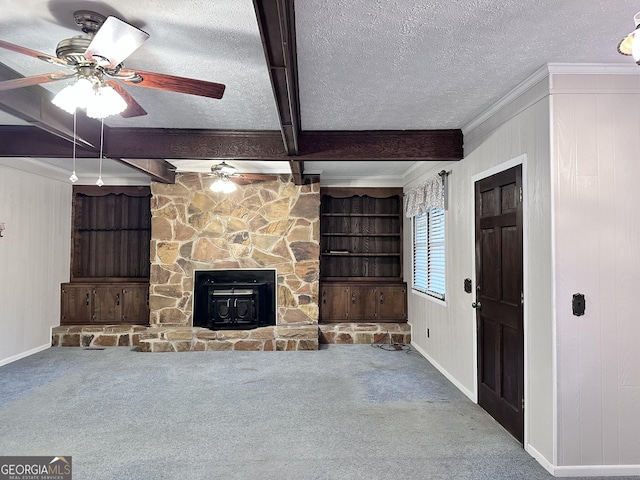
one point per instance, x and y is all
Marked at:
(110, 257)
(361, 255)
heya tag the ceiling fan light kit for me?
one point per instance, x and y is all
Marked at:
(99, 100)
(96, 57)
(223, 185)
(630, 45)
(223, 173)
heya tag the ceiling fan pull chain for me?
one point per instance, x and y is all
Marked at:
(74, 178)
(99, 182)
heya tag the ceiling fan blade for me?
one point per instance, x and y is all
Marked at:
(240, 180)
(134, 109)
(259, 176)
(114, 41)
(32, 53)
(35, 80)
(171, 83)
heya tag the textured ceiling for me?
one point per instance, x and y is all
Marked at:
(411, 64)
(214, 41)
(362, 64)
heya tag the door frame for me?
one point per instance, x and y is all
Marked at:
(514, 162)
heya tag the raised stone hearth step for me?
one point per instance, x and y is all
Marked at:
(98, 336)
(365, 333)
(181, 339)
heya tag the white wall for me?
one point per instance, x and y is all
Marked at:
(520, 126)
(596, 168)
(34, 259)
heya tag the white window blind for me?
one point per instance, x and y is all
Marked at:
(428, 253)
(420, 253)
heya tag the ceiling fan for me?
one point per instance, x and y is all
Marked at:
(97, 56)
(227, 175)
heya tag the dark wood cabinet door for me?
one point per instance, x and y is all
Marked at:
(362, 303)
(107, 304)
(135, 304)
(334, 304)
(392, 303)
(75, 304)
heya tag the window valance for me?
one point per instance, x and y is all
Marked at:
(420, 199)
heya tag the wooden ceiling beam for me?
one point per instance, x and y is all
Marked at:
(154, 143)
(276, 22)
(194, 143)
(32, 141)
(157, 169)
(427, 145)
(297, 170)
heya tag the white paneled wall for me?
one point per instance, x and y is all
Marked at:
(596, 169)
(34, 259)
(520, 128)
(578, 134)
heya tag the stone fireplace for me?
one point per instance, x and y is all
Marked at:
(272, 225)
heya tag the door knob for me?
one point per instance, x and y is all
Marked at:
(477, 305)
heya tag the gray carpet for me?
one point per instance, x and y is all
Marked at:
(344, 412)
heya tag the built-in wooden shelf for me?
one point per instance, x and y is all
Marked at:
(361, 259)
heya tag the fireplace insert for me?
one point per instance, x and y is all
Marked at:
(234, 299)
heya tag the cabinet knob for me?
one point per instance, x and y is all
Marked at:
(324, 296)
(87, 299)
(381, 297)
(353, 298)
(117, 299)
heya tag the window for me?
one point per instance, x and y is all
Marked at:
(428, 253)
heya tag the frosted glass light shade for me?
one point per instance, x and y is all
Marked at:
(73, 96)
(223, 185)
(105, 102)
(99, 100)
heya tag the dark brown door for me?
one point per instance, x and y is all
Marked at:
(499, 298)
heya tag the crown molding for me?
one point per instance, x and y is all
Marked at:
(593, 68)
(533, 79)
(544, 72)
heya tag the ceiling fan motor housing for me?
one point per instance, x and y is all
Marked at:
(89, 21)
(72, 49)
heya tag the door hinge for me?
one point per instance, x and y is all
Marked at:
(521, 194)
(523, 404)
(521, 298)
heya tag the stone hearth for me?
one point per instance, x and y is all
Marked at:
(184, 339)
(274, 338)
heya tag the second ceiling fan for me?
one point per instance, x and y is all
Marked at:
(97, 56)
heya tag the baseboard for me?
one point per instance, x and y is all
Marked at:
(583, 470)
(540, 458)
(5, 361)
(458, 385)
(597, 471)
